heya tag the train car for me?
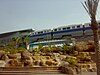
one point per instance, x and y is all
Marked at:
(87, 29)
(41, 35)
(77, 30)
(68, 31)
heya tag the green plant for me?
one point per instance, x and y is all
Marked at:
(40, 46)
(35, 50)
(67, 49)
(25, 41)
(71, 61)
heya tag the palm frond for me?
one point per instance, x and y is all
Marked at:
(85, 7)
(91, 7)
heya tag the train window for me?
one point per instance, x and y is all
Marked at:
(64, 28)
(48, 30)
(41, 32)
(55, 29)
(59, 29)
(35, 32)
(45, 31)
(78, 26)
(68, 27)
(73, 27)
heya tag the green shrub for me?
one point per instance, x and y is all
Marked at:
(71, 61)
(40, 46)
(46, 49)
(36, 50)
(67, 49)
(84, 47)
(13, 50)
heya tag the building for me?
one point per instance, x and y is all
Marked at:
(7, 37)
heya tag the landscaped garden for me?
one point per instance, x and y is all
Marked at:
(79, 57)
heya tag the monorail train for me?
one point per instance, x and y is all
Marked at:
(77, 30)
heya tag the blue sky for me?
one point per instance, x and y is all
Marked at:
(41, 14)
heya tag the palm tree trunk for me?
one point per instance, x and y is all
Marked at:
(91, 8)
(96, 44)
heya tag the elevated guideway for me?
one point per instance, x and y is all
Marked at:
(59, 42)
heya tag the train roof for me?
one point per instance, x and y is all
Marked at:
(14, 32)
(63, 26)
(42, 30)
(68, 26)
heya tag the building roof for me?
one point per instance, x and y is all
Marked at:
(6, 34)
(13, 32)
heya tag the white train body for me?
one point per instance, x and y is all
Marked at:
(67, 31)
(41, 35)
(77, 30)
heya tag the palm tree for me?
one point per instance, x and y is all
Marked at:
(17, 41)
(26, 41)
(91, 8)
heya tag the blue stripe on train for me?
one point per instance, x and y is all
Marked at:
(63, 31)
